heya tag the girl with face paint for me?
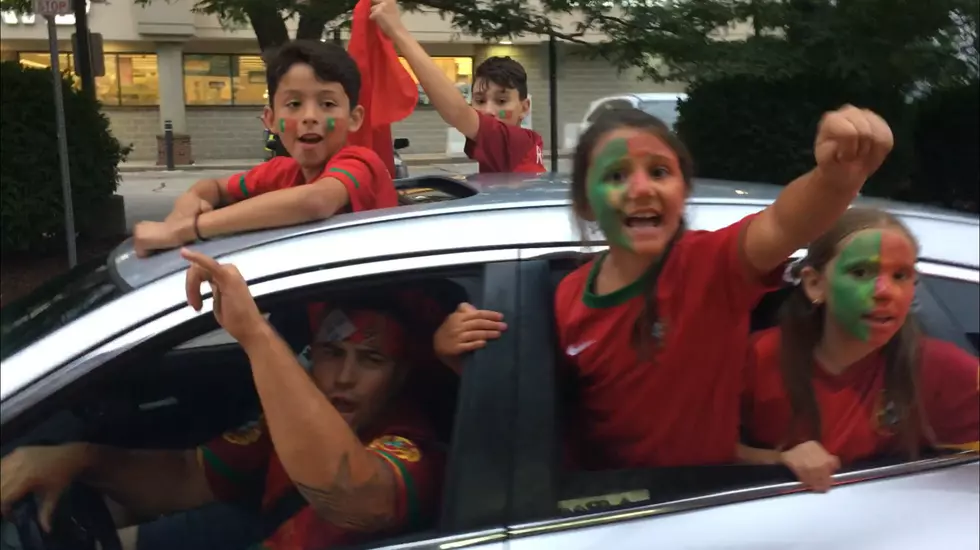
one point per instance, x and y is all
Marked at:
(846, 375)
(653, 331)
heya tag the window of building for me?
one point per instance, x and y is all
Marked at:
(224, 80)
(43, 61)
(139, 82)
(130, 79)
(250, 84)
(458, 69)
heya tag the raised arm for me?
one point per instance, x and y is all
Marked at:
(442, 92)
(345, 483)
(851, 144)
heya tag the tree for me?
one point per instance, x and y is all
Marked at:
(488, 19)
(879, 42)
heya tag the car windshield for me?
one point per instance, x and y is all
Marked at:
(54, 305)
(664, 109)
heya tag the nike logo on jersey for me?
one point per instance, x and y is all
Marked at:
(574, 350)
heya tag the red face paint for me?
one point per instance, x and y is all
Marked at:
(364, 327)
(288, 126)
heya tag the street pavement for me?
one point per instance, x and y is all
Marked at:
(150, 195)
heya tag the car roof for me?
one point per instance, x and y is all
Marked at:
(484, 192)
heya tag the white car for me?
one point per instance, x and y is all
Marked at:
(661, 105)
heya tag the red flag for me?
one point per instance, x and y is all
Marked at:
(388, 92)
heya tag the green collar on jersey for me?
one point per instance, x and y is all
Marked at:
(616, 297)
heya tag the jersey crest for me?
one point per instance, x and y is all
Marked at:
(247, 434)
(398, 447)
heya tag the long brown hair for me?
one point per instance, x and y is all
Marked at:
(802, 322)
(607, 122)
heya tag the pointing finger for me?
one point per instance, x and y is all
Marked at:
(207, 262)
(196, 276)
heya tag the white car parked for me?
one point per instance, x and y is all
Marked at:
(660, 105)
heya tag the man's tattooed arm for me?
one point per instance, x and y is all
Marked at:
(367, 505)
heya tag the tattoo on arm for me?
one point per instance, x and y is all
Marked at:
(365, 506)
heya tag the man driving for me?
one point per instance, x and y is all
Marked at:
(334, 430)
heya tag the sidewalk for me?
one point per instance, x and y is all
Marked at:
(417, 159)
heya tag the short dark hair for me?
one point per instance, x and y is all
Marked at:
(505, 72)
(330, 62)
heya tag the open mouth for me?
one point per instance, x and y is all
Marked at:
(643, 220)
(310, 138)
(343, 405)
(878, 319)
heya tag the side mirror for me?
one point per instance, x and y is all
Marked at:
(401, 143)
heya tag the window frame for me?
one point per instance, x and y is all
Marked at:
(114, 55)
(536, 482)
(479, 460)
(429, 106)
(233, 64)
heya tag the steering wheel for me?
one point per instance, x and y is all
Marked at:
(81, 521)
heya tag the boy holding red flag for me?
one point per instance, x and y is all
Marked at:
(492, 125)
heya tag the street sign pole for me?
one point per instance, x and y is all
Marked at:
(49, 9)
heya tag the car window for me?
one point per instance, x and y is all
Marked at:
(55, 304)
(181, 388)
(960, 299)
(607, 106)
(664, 109)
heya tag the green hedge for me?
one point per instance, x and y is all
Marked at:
(31, 205)
(750, 129)
(947, 144)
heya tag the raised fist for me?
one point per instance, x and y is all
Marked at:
(851, 144)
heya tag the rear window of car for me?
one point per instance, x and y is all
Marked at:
(55, 304)
(664, 109)
(960, 298)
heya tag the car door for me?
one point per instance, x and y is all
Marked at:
(736, 506)
(476, 494)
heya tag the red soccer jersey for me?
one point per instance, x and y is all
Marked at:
(855, 423)
(680, 405)
(362, 172)
(502, 147)
(243, 461)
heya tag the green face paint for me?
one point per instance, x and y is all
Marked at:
(282, 125)
(502, 115)
(605, 197)
(331, 124)
(852, 283)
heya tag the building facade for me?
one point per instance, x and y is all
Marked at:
(165, 62)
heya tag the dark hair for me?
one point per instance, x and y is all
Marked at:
(330, 63)
(801, 324)
(581, 163)
(503, 71)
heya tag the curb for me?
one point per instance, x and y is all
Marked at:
(236, 166)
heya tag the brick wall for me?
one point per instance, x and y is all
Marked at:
(225, 132)
(137, 126)
(425, 129)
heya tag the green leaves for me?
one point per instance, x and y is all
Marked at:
(31, 211)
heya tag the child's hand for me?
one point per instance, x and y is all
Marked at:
(151, 236)
(851, 144)
(188, 206)
(466, 329)
(385, 13)
(812, 464)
